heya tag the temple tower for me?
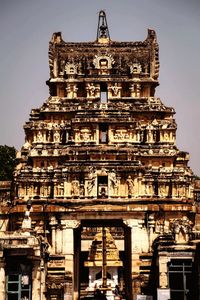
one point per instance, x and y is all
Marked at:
(100, 156)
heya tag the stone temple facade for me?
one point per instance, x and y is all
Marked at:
(103, 196)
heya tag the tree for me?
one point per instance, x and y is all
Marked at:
(7, 162)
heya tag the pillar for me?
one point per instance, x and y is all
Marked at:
(2, 279)
(163, 271)
(68, 227)
(135, 249)
(38, 287)
(53, 223)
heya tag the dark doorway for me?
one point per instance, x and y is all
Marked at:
(102, 186)
(180, 279)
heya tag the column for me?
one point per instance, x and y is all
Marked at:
(2, 279)
(163, 270)
(68, 227)
(38, 287)
(53, 223)
(132, 224)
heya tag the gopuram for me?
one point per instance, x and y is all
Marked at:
(103, 198)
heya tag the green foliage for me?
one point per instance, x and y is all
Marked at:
(7, 162)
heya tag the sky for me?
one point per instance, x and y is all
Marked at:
(26, 27)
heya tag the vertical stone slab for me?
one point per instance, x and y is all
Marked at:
(2, 279)
(38, 287)
(68, 227)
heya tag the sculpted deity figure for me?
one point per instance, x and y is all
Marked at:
(71, 91)
(56, 137)
(91, 89)
(75, 189)
(130, 184)
(115, 90)
(114, 182)
(39, 136)
(60, 189)
(91, 183)
(162, 190)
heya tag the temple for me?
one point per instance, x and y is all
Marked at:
(103, 198)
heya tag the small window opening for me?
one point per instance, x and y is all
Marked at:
(103, 93)
(156, 136)
(102, 186)
(103, 134)
(155, 186)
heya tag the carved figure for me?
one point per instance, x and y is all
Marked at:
(114, 182)
(91, 183)
(130, 184)
(162, 190)
(60, 189)
(115, 90)
(135, 68)
(91, 89)
(56, 137)
(181, 229)
(70, 68)
(39, 136)
(71, 91)
(101, 61)
(75, 188)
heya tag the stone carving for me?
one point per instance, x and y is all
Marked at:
(92, 90)
(85, 135)
(70, 68)
(71, 91)
(39, 137)
(26, 224)
(75, 190)
(103, 61)
(162, 190)
(56, 136)
(181, 229)
(115, 90)
(71, 223)
(130, 184)
(114, 182)
(60, 189)
(135, 68)
(135, 89)
(91, 183)
(122, 134)
(163, 280)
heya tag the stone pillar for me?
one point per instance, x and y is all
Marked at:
(68, 227)
(163, 276)
(135, 250)
(59, 238)
(2, 279)
(37, 284)
(53, 223)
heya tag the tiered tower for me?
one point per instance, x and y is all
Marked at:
(101, 152)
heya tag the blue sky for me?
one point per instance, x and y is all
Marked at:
(26, 27)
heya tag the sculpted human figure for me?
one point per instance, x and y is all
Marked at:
(71, 91)
(130, 184)
(57, 137)
(39, 136)
(75, 188)
(91, 183)
(91, 89)
(114, 182)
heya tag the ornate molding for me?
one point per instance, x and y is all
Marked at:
(103, 61)
(71, 223)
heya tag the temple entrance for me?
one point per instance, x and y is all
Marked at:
(105, 259)
(180, 279)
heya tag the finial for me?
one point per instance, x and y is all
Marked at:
(102, 29)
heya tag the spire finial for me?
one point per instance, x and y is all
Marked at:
(102, 29)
